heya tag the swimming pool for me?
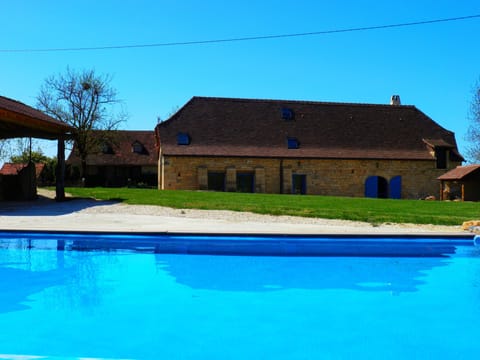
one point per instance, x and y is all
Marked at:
(199, 297)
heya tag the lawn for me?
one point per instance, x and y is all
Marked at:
(374, 211)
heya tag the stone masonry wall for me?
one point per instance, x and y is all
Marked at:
(323, 177)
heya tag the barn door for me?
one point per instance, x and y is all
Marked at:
(396, 187)
(371, 187)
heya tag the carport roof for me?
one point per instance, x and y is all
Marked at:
(460, 172)
(20, 120)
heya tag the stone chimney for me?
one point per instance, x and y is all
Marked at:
(395, 100)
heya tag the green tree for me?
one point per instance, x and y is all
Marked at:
(85, 101)
(26, 156)
(473, 134)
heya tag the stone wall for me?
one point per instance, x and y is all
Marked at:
(323, 177)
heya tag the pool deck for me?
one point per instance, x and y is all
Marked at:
(90, 215)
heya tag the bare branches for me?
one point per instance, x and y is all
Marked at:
(85, 101)
(473, 134)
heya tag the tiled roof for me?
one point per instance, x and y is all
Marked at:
(14, 169)
(460, 172)
(121, 145)
(257, 128)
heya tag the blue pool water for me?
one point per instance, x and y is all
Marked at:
(130, 297)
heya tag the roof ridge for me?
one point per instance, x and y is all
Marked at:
(124, 130)
(16, 101)
(313, 102)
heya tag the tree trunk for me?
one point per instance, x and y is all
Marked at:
(83, 170)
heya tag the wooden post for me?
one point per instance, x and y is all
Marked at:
(60, 171)
(463, 192)
(441, 189)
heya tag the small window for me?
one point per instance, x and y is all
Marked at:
(183, 139)
(292, 143)
(137, 147)
(107, 148)
(287, 114)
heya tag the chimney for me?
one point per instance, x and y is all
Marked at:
(395, 100)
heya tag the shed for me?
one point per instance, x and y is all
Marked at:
(20, 120)
(463, 183)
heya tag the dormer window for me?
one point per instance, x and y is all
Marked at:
(288, 114)
(292, 143)
(107, 148)
(137, 147)
(183, 139)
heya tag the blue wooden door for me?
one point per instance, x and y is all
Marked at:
(396, 187)
(371, 187)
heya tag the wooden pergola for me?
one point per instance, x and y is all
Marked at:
(20, 120)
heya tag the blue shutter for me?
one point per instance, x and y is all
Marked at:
(371, 187)
(396, 187)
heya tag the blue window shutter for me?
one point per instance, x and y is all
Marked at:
(371, 187)
(396, 187)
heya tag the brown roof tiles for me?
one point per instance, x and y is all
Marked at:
(15, 168)
(260, 128)
(122, 144)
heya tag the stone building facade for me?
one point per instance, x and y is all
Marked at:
(291, 147)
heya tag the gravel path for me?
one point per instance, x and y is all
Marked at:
(85, 214)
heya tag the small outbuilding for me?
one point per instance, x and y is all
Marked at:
(462, 183)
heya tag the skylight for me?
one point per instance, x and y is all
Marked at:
(183, 139)
(287, 114)
(292, 143)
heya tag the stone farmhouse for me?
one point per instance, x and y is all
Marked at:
(304, 147)
(119, 158)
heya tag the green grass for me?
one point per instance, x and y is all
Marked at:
(374, 211)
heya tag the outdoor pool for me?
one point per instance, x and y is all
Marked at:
(114, 296)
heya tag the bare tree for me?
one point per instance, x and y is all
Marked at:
(85, 101)
(473, 134)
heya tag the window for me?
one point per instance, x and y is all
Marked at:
(137, 147)
(107, 148)
(183, 139)
(292, 143)
(287, 114)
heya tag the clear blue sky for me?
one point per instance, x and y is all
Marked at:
(433, 67)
